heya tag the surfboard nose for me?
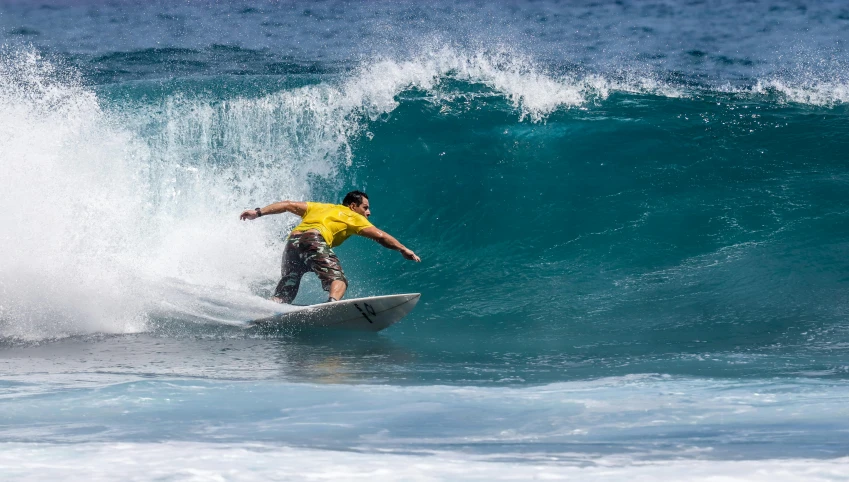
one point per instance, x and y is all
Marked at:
(411, 299)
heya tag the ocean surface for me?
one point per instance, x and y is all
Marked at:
(633, 219)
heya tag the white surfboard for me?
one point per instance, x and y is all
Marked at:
(363, 314)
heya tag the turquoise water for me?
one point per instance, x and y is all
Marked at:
(631, 218)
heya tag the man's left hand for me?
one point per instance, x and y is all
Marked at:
(409, 254)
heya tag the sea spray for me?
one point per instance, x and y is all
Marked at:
(70, 192)
(87, 239)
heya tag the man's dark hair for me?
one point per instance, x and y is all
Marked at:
(355, 197)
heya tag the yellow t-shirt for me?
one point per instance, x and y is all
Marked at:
(335, 222)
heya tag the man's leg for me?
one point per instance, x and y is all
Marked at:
(324, 263)
(337, 289)
(287, 288)
(292, 270)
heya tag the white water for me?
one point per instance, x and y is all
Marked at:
(247, 462)
(96, 218)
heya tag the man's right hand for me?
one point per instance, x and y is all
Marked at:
(248, 214)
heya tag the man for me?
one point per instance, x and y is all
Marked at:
(309, 247)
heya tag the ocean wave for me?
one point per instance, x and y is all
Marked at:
(144, 186)
(570, 422)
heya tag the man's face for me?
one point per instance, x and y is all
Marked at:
(362, 208)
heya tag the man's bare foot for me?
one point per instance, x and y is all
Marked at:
(276, 299)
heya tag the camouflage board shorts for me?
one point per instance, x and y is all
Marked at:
(307, 252)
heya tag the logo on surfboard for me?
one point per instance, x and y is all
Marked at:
(368, 309)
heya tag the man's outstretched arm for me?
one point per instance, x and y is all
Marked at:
(388, 241)
(294, 207)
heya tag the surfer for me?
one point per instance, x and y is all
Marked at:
(309, 246)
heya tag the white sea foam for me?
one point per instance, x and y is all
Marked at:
(827, 94)
(532, 90)
(246, 462)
